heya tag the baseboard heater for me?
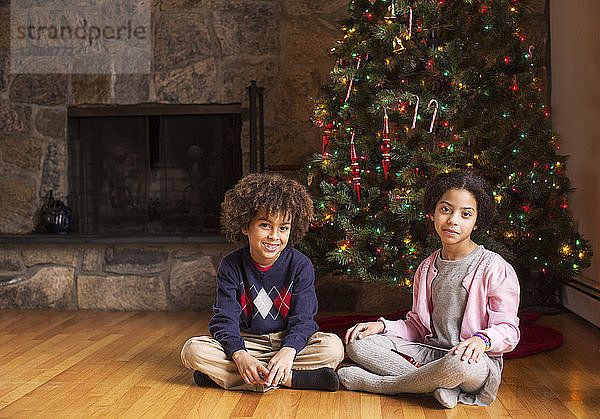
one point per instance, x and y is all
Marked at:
(582, 299)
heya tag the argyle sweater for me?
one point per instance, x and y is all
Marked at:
(251, 301)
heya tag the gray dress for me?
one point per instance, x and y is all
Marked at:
(449, 299)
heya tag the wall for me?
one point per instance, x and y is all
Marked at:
(110, 277)
(282, 44)
(149, 277)
(205, 51)
(575, 41)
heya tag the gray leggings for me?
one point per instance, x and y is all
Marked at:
(396, 374)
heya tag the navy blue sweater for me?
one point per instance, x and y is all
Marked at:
(251, 301)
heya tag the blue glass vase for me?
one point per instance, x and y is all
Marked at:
(56, 216)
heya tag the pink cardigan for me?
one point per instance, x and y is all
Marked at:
(491, 308)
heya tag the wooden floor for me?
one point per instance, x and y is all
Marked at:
(81, 364)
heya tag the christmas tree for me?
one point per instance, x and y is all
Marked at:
(426, 86)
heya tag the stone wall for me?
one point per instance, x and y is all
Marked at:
(150, 278)
(110, 277)
(204, 52)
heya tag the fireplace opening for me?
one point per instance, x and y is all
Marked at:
(154, 169)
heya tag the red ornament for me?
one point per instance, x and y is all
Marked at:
(385, 145)
(354, 168)
(327, 135)
(325, 140)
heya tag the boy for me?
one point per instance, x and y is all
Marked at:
(263, 331)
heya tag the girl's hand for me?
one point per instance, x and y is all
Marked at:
(280, 367)
(471, 349)
(250, 368)
(362, 330)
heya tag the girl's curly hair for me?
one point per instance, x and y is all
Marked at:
(275, 193)
(461, 179)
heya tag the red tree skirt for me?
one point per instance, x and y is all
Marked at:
(534, 337)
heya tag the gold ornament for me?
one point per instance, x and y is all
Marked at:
(391, 13)
(398, 47)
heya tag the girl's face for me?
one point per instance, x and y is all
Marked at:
(455, 217)
(267, 236)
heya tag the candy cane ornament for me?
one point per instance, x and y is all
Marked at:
(351, 82)
(349, 89)
(416, 112)
(385, 145)
(434, 113)
(410, 22)
(354, 167)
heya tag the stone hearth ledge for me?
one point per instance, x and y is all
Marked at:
(115, 276)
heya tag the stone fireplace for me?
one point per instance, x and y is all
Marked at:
(146, 239)
(152, 169)
(205, 53)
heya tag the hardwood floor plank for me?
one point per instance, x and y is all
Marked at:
(211, 397)
(284, 403)
(124, 403)
(155, 401)
(349, 403)
(16, 393)
(11, 317)
(246, 406)
(26, 388)
(184, 405)
(432, 409)
(226, 404)
(306, 405)
(123, 379)
(113, 364)
(391, 407)
(370, 405)
(411, 407)
(32, 353)
(329, 405)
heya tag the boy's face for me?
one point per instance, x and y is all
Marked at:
(267, 236)
(455, 217)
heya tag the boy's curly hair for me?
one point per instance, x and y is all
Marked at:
(461, 179)
(278, 194)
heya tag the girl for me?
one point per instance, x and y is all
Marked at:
(464, 310)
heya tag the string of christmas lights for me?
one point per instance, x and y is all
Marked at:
(472, 62)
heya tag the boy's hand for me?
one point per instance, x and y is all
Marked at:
(362, 330)
(250, 368)
(470, 349)
(280, 366)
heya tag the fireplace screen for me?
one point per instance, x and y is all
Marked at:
(151, 173)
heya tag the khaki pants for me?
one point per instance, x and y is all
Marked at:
(206, 354)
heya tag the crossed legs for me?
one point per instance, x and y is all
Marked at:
(387, 372)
